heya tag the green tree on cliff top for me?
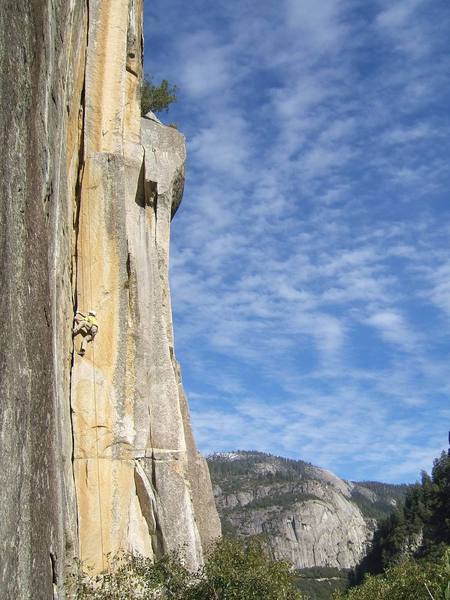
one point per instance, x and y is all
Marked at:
(156, 98)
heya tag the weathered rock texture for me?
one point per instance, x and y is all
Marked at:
(310, 516)
(41, 80)
(96, 452)
(326, 529)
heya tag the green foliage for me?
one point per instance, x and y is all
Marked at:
(446, 562)
(237, 571)
(228, 529)
(386, 490)
(319, 583)
(388, 497)
(372, 510)
(132, 577)
(156, 98)
(248, 461)
(409, 580)
(233, 571)
(248, 470)
(324, 573)
(284, 500)
(419, 528)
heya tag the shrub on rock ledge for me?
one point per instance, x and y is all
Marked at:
(156, 98)
(233, 571)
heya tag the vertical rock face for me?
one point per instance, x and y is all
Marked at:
(310, 516)
(97, 452)
(41, 79)
(131, 460)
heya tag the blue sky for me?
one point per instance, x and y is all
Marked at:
(310, 264)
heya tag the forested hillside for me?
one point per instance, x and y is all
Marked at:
(241, 472)
(410, 555)
(419, 528)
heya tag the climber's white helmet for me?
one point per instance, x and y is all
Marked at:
(92, 312)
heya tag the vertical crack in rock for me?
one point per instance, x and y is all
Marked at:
(76, 240)
(54, 568)
(132, 40)
(77, 201)
(294, 529)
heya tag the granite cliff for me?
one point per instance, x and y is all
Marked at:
(309, 516)
(97, 452)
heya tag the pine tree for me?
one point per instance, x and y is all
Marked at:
(156, 98)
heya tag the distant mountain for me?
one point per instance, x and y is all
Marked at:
(309, 515)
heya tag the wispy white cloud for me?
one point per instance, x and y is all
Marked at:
(328, 430)
(402, 135)
(398, 15)
(210, 73)
(393, 328)
(309, 263)
(439, 292)
(319, 24)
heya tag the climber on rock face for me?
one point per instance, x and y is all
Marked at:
(87, 325)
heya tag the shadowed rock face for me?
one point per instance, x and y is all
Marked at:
(97, 452)
(41, 80)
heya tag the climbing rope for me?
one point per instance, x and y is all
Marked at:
(88, 222)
